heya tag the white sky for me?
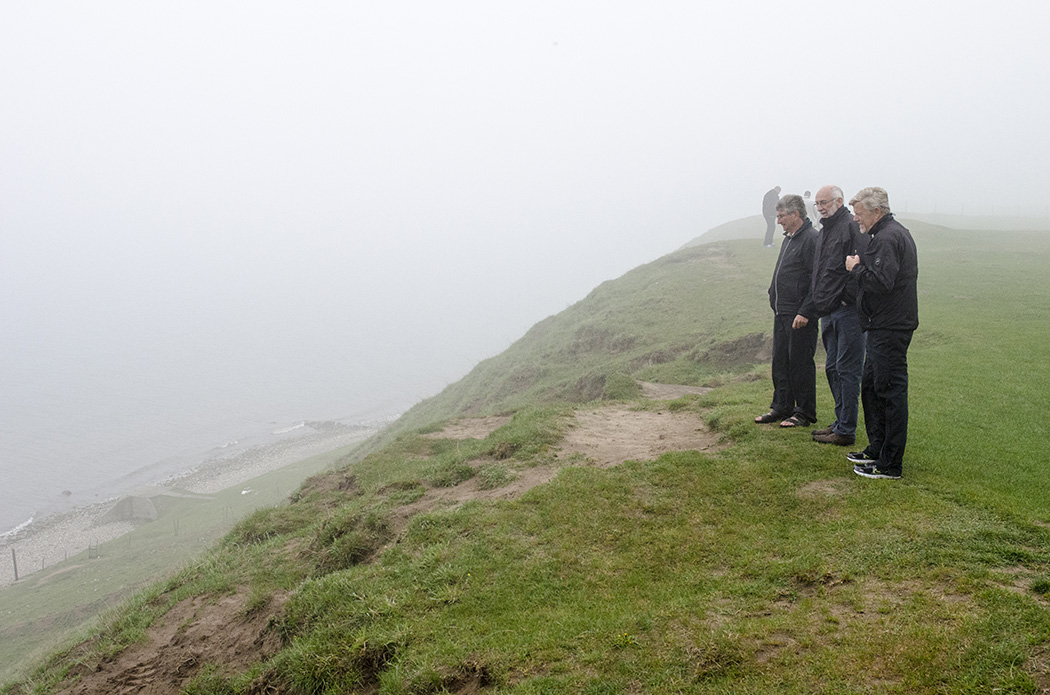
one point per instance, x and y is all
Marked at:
(396, 190)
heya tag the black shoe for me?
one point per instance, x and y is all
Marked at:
(825, 430)
(874, 471)
(861, 458)
(835, 438)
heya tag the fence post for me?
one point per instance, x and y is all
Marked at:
(14, 561)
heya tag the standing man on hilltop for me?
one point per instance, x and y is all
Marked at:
(887, 273)
(794, 321)
(769, 211)
(834, 297)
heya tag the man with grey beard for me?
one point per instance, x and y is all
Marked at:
(887, 273)
(834, 297)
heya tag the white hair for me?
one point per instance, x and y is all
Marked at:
(872, 198)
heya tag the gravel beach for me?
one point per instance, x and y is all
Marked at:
(47, 541)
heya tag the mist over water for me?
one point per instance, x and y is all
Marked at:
(76, 435)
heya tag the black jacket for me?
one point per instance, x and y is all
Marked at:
(793, 274)
(769, 203)
(833, 286)
(887, 275)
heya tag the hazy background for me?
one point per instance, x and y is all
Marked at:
(226, 217)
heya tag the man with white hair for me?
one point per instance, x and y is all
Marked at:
(834, 296)
(887, 273)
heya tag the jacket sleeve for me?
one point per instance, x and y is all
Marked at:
(772, 289)
(858, 246)
(882, 262)
(809, 253)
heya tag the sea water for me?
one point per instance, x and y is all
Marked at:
(70, 440)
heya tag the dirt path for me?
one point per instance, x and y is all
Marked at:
(667, 392)
(471, 428)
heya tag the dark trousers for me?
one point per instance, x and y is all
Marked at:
(844, 343)
(794, 372)
(771, 226)
(884, 395)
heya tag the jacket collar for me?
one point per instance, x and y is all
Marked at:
(883, 221)
(843, 210)
(805, 223)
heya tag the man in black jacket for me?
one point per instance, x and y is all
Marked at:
(834, 297)
(888, 304)
(794, 321)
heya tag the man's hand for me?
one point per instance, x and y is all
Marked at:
(851, 263)
(799, 321)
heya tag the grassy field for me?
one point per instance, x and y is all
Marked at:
(767, 567)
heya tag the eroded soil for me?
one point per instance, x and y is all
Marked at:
(192, 634)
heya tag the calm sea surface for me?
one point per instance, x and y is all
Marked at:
(70, 438)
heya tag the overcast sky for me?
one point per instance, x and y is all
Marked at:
(396, 190)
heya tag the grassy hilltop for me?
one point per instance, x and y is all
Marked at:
(413, 566)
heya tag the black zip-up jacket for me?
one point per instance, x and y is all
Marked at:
(887, 275)
(833, 286)
(793, 274)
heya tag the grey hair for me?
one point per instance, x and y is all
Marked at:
(836, 192)
(792, 203)
(873, 198)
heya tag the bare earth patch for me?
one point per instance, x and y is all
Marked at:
(821, 488)
(604, 437)
(194, 633)
(667, 392)
(447, 497)
(609, 436)
(471, 428)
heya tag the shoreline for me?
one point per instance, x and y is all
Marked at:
(40, 543)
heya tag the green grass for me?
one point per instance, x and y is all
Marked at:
(766, 568)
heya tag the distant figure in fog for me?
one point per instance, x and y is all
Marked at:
(835, 301)
(769, 211)
(811, 211)
(794, 321)
(888, 304)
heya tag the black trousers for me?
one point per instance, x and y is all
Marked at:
(884, 396)
(794, 371)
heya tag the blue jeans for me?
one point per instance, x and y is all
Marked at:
(844, 342)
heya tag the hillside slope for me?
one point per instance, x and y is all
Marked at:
(669, 319)
(497, 554)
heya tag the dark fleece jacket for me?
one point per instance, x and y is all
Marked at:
(793, 274)
(888, 274)
(833, 286)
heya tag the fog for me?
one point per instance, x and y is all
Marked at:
(350, 204)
